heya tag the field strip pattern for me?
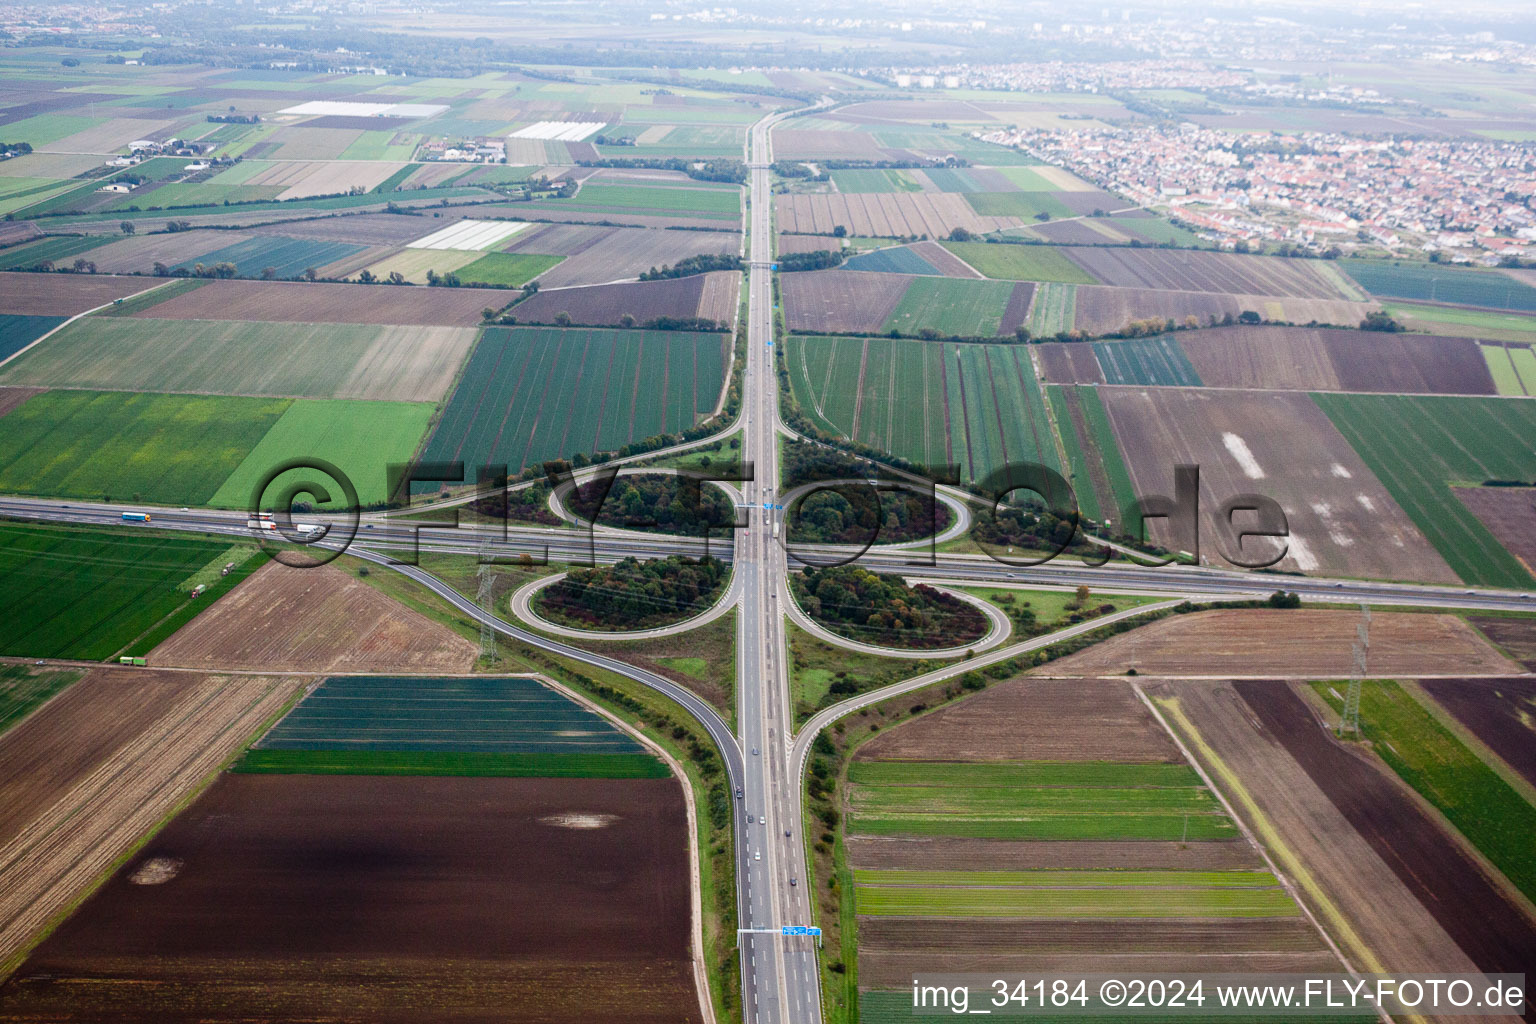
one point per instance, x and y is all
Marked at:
(469, 234)
(51, 861)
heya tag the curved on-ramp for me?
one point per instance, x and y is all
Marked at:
(1000, 628)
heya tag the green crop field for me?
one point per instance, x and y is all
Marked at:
(1420, 446)
(1428, 282)
(1510, 368)
(934, 403)
(285, 257)
(506, 269)
(22, 691)
(1098, 474)
(132, 580)
(17, 332)
(245, 358)
(951, 306)
(1024, 205)
(1088, 878)
(1145, 361)
(392, 762)
(899, 260)
(873, 180)
(948, 901)
(381, 145)
(362, 439)
(1053, 309)
(1088, 800)
(60, 250)
(164, 449)
(721, 203)
(1465, 323)
(399, 725)
(1491, 813)
(1020, 262)
(530, 394)
(44, 129)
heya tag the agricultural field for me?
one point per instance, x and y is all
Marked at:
(696, 201)
(124, 747)
(1342, 521)
(1395, 889)
(713, 296)
(1020, 262)
(1199, 271)
(24, 689)
(899, 260)
(1466, 323)
(138, 254)
(138, 583)
(362, 439)
(1099, 310)
(1495, 711)
(59, 250)
(958, 307)
(63, 294)
(1144, 361)
(165, 449)
(283, 302)
(1298, 643)
(283, 257)
(1494, 816)
(840, 301)
(1094, 467)
(1053, 310)
(505, 270)
(283, 619)
(875, 180)
(564, 391)
(478, 235)
(508, 915)
(1515, 636)
(415, 264)
(1031, 825)
(1512, 367)
(17, 332)
(886, 215)
(1433, 865)
(236, 357)
(594, 254)
(1420, 447)
(1426, 282)
(934, 403)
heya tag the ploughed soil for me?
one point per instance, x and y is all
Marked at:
(1517, 636)
(1033, 720)
(386, 899)
(1500, 712)
(1493, 932)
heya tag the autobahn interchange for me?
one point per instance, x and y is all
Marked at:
(765, 757)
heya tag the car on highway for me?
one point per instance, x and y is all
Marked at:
(738, 792)
(757, 855)
(754, 751)
(794, 881)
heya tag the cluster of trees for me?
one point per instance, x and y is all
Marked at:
(863, 515)
(233, 118)
(701, 264)
(798, 169)
(821, 259)
(632, 594)
(661, 503)
(724, 170)
(883, 610)
(1379, 321)
(524, 505)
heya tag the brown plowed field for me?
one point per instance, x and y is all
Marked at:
(295, 302)
(558, 239)
(1308, 359)
(97, 767)
(1123, 936)
(10, 398)
(948, 263)
(329, 898)
(1102, 310)
(807, 243)
(63, 294)
(1313, 834)
(1087, 231)
(1033, 720)
(1280, 444)
(1199, 271)
(1494, 933)
(1510, 515)
(840, 301)
(603, 305)
(629, 252)
(1517, 636)
(1301, 643)
(319, 620)
(917, 852)
(1017, 310)
(884, 214)
(361, 229)
(789, 144)
(1500, 712)
(141, 252)
(1069, 364)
